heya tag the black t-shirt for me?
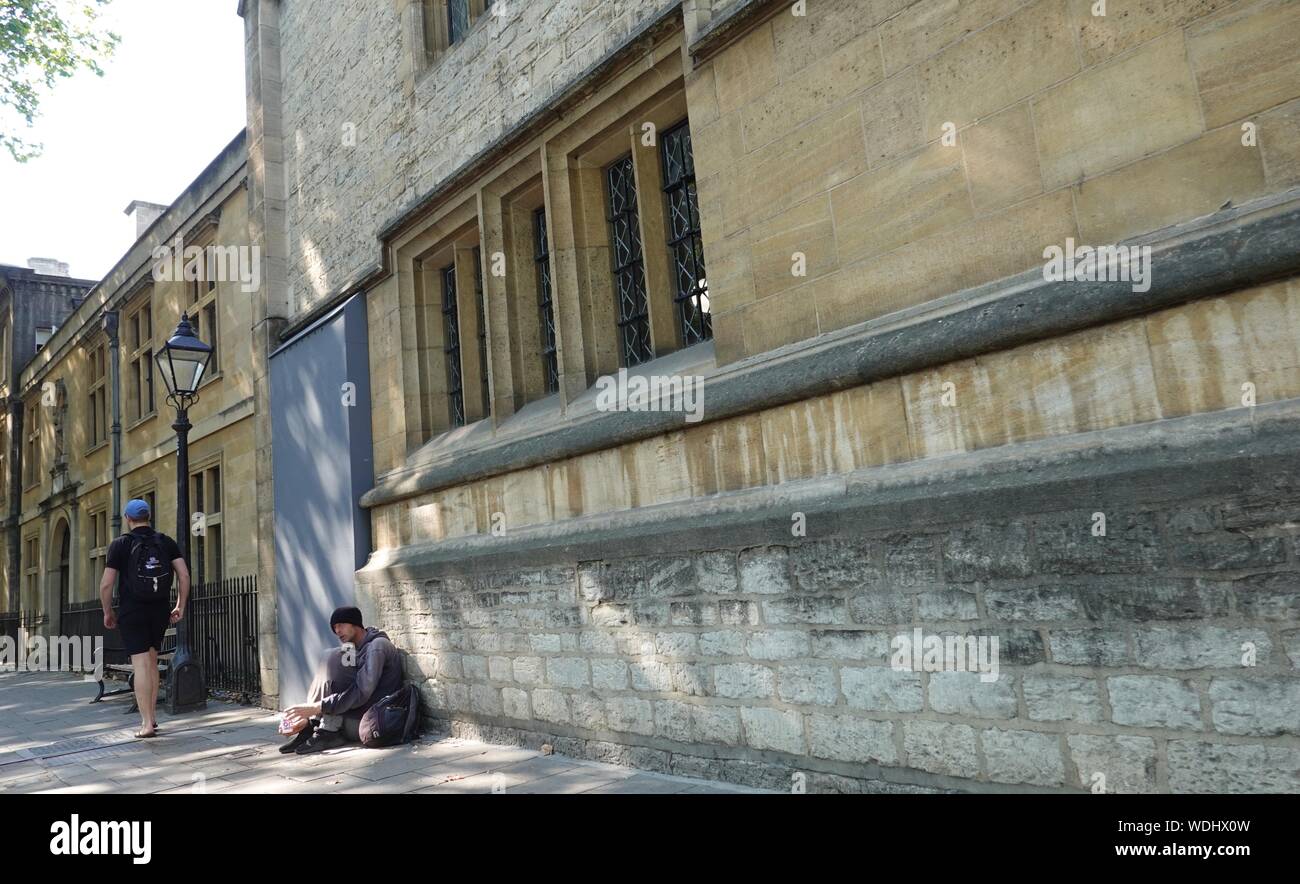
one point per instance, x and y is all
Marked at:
(119, 558)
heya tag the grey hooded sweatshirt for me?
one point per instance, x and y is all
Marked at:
(379, 673)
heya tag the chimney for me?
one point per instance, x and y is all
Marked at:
(48, 267)
(145, 214)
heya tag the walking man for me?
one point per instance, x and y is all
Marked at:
(147, 560)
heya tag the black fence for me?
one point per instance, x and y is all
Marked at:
(222, 627)
(222, 620)
(87, 619)
(9, 622)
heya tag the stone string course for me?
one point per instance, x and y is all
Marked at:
(1121, 656)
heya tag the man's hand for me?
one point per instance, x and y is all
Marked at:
(110, 620)
(292, 724)
(177, 613)
(295, 717)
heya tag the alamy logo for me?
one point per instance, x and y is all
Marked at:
(59, 653)
(919, 652)
(624, 392)
(1099, 264)
(78, 837)
(178, 262)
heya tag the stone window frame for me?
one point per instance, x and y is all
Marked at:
(577, 163)
(628, 260)
(207, 481)
(547, 343)
(97, 541)
(511, 202)
(97, 394)
(32, 445)
(4, 342)
(4, 460)
(449, 285)
(31, 562)
(450, 240)
(497, 204)
(432, 29)
(201, 303)
(481, 331)
(139, 356)
(690, 284)
(148, 492)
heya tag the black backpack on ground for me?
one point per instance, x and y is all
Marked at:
(149, 574)
(393, 720)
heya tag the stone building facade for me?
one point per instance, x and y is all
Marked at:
(912, 428)
(34, 301)
(94, 427)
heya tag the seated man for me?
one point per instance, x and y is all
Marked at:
(347, 683)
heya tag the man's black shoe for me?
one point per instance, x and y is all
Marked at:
(301, 737)
(321, 741)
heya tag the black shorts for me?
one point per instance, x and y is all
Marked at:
(143, 627)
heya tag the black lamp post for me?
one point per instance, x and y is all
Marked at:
(183, 361)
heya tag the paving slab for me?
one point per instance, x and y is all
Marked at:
(55, 741)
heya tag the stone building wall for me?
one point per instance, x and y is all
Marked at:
(1186, 360)
(878, 181)
(825, 135)
(706, 640)
(350, 72)
(29, 298)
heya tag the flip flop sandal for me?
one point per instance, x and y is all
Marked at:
(141, 735)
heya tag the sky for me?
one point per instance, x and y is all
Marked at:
(172, 96)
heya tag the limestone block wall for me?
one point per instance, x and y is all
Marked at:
(648, 602)
(912, 149)
(1163, 655)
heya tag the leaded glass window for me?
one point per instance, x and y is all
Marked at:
(691, 287)
(482, 331)
(629, 264)
(451, 347)
(545, 306)
(457, 20)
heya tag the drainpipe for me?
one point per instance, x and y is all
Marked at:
(115, 385)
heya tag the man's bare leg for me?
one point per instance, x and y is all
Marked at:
(145, 671)
(153, 693)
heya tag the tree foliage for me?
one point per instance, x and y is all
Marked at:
(42, 41)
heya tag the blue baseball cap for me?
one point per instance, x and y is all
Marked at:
(137, 510)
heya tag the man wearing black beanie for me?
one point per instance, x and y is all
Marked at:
(350, 678)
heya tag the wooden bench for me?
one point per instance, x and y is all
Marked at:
(113, 645)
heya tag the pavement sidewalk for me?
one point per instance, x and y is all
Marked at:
(53, 741)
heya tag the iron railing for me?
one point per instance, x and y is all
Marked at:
(222, 623)
(222, 620)
(9, 623)
(87, 619)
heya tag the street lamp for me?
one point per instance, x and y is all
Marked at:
(182, 362)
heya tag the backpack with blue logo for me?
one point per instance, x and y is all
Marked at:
(148, 572)
(393, 720)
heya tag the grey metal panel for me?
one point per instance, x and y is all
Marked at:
(321, 463)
